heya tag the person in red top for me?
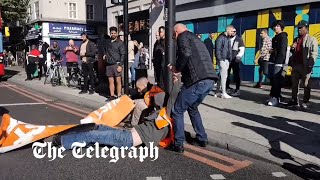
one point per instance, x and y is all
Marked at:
(72, 56)
(33, 59)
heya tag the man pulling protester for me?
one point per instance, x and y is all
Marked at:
(156, 128)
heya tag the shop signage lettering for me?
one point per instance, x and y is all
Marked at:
(69, 28)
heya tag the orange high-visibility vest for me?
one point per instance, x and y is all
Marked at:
(162, 121)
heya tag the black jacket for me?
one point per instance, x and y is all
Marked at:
(223, 48)
(158, 53)
(209, 44)
(91, 51)
(115, 52)
(279, 47)
(193, 59)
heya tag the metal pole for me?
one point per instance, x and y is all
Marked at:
(126, 33)
(170, 53)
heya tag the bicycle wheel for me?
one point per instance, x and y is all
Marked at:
(55, 78)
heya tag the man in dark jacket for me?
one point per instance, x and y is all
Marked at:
(224, 56)
(159, 58)
(196, 68)
(42, 62)
(114, 57)
(209, 44)
(87, 55)
(277, 61)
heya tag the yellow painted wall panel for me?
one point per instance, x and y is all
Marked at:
(290, 31)
(263, 19)
(314, 30)
(250, 38)
(277, 13)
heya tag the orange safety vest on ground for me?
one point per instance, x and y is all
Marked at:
(163, 120)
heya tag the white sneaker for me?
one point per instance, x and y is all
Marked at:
(225, 96)
(237, 93)
(273, 102)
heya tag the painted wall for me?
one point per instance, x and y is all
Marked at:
(249, 24)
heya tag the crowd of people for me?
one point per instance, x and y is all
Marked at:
(194, 67)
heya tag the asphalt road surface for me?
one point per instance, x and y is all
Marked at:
(196, 163)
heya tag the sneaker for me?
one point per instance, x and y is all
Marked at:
(178, 149)
(293, 103)
(273, 102)
(258, 86)
(83, 92)
(202, 143)
(91, 92)
(225, 96)
(111, 98)
(305, 105)
(236, 93)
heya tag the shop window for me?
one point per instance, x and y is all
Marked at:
(72, 10)
(36, 9)
(90, 12)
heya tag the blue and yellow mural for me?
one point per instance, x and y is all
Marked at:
(249, 24)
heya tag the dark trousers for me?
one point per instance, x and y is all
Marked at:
(300, 75)
(235, 66)
(159, 76)
(42, 67)
(31, 67)
(88, 73)
(276, 79)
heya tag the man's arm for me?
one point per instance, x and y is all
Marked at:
(281, 57)
(241, 49)
(219, 47)
(184, 53)
(122, 53)
(314, 53)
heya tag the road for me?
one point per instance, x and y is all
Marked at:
(196, 163)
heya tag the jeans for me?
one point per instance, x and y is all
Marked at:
(189, 99)
(263, 69)
(276, 78)
(104, 135)
(299, 73)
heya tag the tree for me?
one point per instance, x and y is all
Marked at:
(14, 10)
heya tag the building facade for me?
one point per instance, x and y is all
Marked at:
(249, 17)
(62, 20)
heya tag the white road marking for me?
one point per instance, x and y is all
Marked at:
(279, 174)
(217, 177)
(154, 178)
(21, 104)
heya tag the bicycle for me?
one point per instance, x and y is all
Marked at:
(56, 74)
(75, 76)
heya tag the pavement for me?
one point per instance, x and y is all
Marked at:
(195, 163)
(287, 136)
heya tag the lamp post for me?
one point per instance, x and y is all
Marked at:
(170, 53)
(126, 33)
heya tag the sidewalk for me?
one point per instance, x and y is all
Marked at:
(246, 124)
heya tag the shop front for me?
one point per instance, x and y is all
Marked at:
(63, 32)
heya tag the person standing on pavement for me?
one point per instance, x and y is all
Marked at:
(209, 44)
(237, 46)
(131, 59)
(196, 68)
(43, 59)
(277, 61)
(223, 56)
(264, 56)
(33, 60)
(304, 54)
(55, 51)
(71, 52)
(114, 57)
(87, 55)
(159, 58)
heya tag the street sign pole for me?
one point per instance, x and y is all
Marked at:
(126, 33)
(170, 54)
